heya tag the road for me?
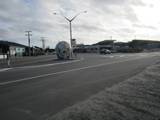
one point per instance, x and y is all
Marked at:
(39, 91)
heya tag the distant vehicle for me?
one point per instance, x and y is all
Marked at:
(105, 51)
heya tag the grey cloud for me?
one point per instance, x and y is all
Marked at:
(64, 6)
(111, 16)
(130, 15)
(90, 28)
(144, 26)
(127, 30)
(85, 27)
(119, 2)
(151, 5)
(18, 17)
(118, 9)
(3, 33)
(110, 2)
(124, 31)
(15, 12)
(137, 3)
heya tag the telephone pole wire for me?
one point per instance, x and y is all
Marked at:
(28, 34)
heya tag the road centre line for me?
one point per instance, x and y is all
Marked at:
(61, 72)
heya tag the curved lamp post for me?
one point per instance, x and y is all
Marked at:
(70, 23)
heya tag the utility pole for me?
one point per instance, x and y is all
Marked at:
(28, 34)
(110, 37)
(43, 42)
(70, 27)
(135, 37)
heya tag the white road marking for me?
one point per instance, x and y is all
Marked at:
(108, 56)
(45, 65)
(61, 72)
(4, 69)
(111, 56)
(53, 64)
(122, 56)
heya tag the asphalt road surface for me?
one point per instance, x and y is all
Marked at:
(39, 91)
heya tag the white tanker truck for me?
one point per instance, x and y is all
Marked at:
(63, 50)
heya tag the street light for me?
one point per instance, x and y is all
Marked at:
(70, 23)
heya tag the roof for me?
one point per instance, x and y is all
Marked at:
(105, 42)
(7, 43)
(145, 41)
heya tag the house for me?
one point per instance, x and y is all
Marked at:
(145, 44)
(105, 44)
(37, 51)
(14, 49)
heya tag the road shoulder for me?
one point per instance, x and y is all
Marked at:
(135, 98)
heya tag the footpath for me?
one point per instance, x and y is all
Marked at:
(25, 61)
(137, 98)
(32, 61)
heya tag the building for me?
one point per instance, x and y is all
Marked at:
(137, 46)
(105, 44)
(14, 49)
(95, 48)
(133, 46)
(145, 44)
(121, 46)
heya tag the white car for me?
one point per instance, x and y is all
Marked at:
(105, 51)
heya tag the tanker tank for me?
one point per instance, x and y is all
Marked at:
(63, 50)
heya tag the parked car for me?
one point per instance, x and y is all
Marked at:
(105, 51)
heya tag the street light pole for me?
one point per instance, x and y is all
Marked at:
(70, 27)
(70, 23)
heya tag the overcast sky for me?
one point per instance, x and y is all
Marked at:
(124, 20)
